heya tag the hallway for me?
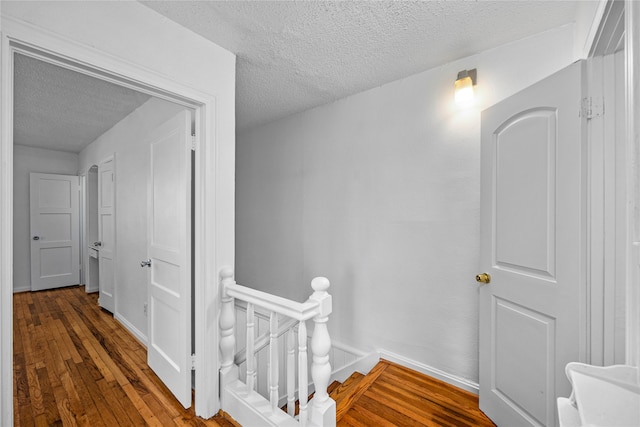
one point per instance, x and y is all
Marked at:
(75, 365)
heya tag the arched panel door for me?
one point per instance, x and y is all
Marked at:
(533, 221)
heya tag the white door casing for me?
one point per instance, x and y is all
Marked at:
(106, 234)
(169, 255)
(532, 245)
(55, 231)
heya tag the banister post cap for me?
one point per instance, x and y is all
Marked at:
(320, 284)
(226, 273)
(320, 294)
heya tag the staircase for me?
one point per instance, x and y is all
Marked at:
(389, 395)
(392, 395)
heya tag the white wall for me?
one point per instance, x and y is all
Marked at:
(127, 140)
(25, 161)
(380, 192)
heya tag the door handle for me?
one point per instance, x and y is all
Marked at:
(36, 237)
(97, 243)
(483, 278)
(145, 263)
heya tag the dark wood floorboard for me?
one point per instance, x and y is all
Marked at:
(75, 365)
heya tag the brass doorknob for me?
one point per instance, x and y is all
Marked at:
(483, 278)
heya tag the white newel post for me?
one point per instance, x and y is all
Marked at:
(228, 370)
(323, 409)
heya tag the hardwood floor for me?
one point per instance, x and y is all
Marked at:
(75, 365)
(392, 395)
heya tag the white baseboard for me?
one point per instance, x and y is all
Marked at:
(454, 380)
(365, 362)
(23, 288)
(134, 331)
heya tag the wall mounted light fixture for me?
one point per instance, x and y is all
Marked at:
(463, 88)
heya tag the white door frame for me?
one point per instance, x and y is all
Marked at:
(632, 89)
(18, 36)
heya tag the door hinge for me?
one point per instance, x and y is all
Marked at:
(591, 107)
(193, 362)
(193, 142)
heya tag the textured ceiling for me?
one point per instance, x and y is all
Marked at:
(294, 55)
(59, 109)
(291, 56)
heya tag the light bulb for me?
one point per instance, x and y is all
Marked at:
(463, 92)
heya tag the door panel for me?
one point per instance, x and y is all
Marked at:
(525, 378)
(106, 234)
(532, 219)
(525, 193)
(55, 228)
(169, 250)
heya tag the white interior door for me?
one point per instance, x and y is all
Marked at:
(55, 231)
(533, 221)
(106, 234)
(169, 252)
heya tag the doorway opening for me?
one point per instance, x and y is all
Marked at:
(89, 230)
(114, 246)
(164, 91)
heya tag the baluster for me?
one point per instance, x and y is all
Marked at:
(251, 337)
(323, 408)
(227, 320)
(303, 381)
(273, 361)
(291, 372)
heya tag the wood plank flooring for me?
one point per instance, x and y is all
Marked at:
(392, 395)
(75, 365)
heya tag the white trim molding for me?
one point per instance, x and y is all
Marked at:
(632, 86)
(595, 29)
(6, 245)
(454, 380)
(22, 288)
(137, 333)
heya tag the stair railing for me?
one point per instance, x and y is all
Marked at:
(240, 400)
(284, 327)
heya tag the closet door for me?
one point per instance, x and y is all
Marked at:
(55, 231)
